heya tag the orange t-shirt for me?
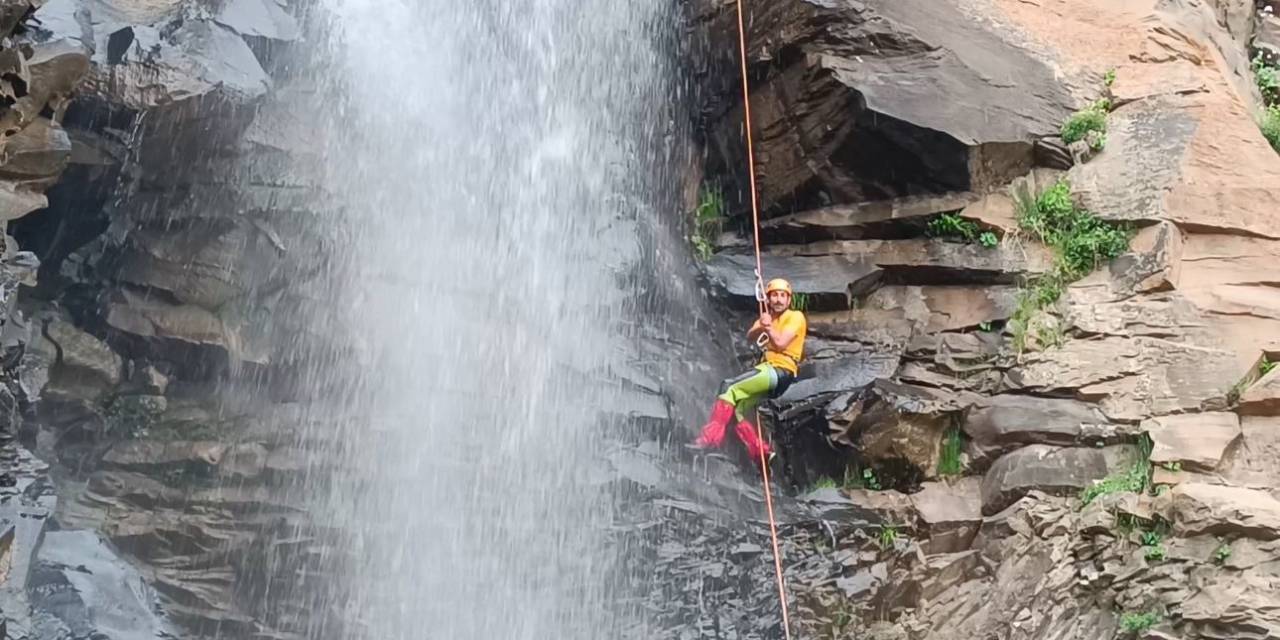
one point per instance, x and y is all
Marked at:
(789, 358)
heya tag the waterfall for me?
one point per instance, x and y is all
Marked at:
(491, 161)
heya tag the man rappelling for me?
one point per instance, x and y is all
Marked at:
(781, 331)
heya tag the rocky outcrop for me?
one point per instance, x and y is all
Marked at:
(1138, 406)
(187, 214)
(875, 100)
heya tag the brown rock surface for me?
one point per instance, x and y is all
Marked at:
(1005, 421)
(1255, 462)
(948, 515)
(1196, 441)
(1052, 470)
(1262, 398)
(1156, 340)
(1196, 509)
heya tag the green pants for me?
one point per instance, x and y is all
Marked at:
(747, 390)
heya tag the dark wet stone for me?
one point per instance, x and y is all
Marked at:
(81, 585)
(258, 18)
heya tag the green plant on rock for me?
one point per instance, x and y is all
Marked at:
(1222, 553)
(1265, 366)
(988, 239)
(869, 479)
(949, 462)
(1154, 553)
(1154, 549)
(984, 326)
(1080, 240)
(799, 301)
(1134, 623)
(708, 220)
(1267, 77)
(1174, 466)
(1135, 479)
(1091, 118)
(1271, 126)
(888, 536)
(824, 483)
(951, 225)
(1110, 77)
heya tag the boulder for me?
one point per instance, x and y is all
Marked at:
(147, 67)
(1196, 441)
(259, 19)
(40, 151)
(1200, 509)
(86, 366)
(1232, 607)
(199, 265)
(938, 308)
(17, 201)
(244, 460)
(1131, 378)
(831, 366)
(1262, 398)
(1006, 421)
(864, 101)
(1052, 470)
(948, 515)
(1255, 462)
(55, 69)
(894, 424)
(1267, 41)
(12, 13)
(83, 585)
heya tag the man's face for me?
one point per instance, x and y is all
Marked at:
(779, 301)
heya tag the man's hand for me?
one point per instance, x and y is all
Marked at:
(766, 320)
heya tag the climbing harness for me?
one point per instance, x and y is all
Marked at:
(760, 300)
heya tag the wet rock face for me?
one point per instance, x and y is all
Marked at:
(186, 179)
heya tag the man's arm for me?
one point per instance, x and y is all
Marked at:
(780, 335)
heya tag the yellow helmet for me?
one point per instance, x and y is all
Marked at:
(777, 284)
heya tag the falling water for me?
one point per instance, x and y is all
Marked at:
(489, 157)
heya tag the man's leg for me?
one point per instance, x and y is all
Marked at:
(736, 390)
(747, 395)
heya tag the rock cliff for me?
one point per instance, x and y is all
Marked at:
(988, 440)
(1055, 449)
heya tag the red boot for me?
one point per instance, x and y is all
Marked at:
(755, 446)
(713, 432)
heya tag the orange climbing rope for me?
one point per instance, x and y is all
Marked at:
(755, 225)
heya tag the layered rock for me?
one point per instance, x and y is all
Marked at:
(191, 216)
(1149, 376)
